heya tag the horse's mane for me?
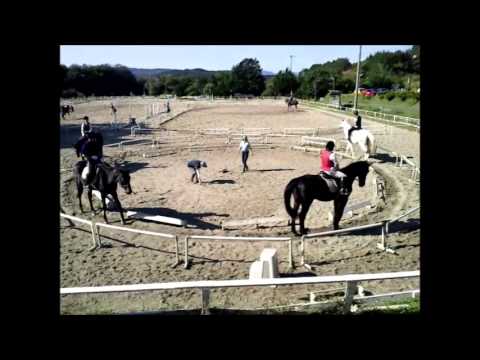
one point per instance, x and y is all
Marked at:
(354, 166)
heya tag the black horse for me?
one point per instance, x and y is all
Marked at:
(65, 110)
(94, 148)
(291, 102)
(105, 181)
(306, 188)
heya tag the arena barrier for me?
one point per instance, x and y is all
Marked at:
(144, 232)
(351, 285)
(86, 222)
(300, 131)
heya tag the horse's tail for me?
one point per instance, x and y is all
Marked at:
(286, 197)
(371, 143)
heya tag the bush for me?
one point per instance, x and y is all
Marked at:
(390, 95)
(403, 96)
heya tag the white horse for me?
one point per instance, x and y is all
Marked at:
(362, 137)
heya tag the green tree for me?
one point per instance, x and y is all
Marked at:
(247, 77)
(269, 88)
(284, 83)
(208, 89)
(223, 85)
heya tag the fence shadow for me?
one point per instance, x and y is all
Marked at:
(70, 133)
(190, 218)
(134, 166)
(383, 158)
(220, 181)
(267, 170)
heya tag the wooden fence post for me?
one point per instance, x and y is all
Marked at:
(290, 253)
(205, 301)
(176, 252)
(350, 291)
(186, 252)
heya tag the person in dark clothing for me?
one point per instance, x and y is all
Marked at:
(358, 124)
(90, 147)
(194, 166)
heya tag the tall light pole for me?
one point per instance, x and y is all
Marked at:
(291, 70)
(358, 78)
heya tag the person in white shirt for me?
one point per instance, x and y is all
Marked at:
(85, 127)
(245, 149)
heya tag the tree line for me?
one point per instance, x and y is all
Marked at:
(390, 70)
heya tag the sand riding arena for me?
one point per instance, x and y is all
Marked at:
(229, 203)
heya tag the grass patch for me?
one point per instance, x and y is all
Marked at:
(412, 306)
(408, 107)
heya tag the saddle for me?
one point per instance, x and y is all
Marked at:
(330, 180)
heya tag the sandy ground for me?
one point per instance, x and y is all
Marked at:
(162, 186)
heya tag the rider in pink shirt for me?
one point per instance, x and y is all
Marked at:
(329, 165)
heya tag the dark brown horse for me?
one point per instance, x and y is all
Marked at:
(105, 180)
(291, 102)
(307, 188)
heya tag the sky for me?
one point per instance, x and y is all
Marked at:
(215, 57)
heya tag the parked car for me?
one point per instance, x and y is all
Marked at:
(381, 91)
(369, 92)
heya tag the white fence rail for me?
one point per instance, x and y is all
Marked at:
(384, 225)
(86, 222)
(144, 232)
(394, 119)
(206, 285)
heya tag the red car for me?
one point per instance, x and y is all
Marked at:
(369, 92)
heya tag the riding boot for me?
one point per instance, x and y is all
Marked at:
(343, 190)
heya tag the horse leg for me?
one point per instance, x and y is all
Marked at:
(303, 214)
(351, 150)
(296, 205)
(338, 205)
(104, 207)
(89, 194)
(365, 151)
(79, 194)
(119, 207)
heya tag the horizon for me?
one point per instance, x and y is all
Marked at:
(272, 58)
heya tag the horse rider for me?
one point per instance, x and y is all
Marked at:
(92, 150)
(358, 124)
(194, 166)
(85, 128)
(329, 166)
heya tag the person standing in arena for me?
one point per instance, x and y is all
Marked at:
(245, 149)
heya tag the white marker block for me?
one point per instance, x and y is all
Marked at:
(269, 257)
